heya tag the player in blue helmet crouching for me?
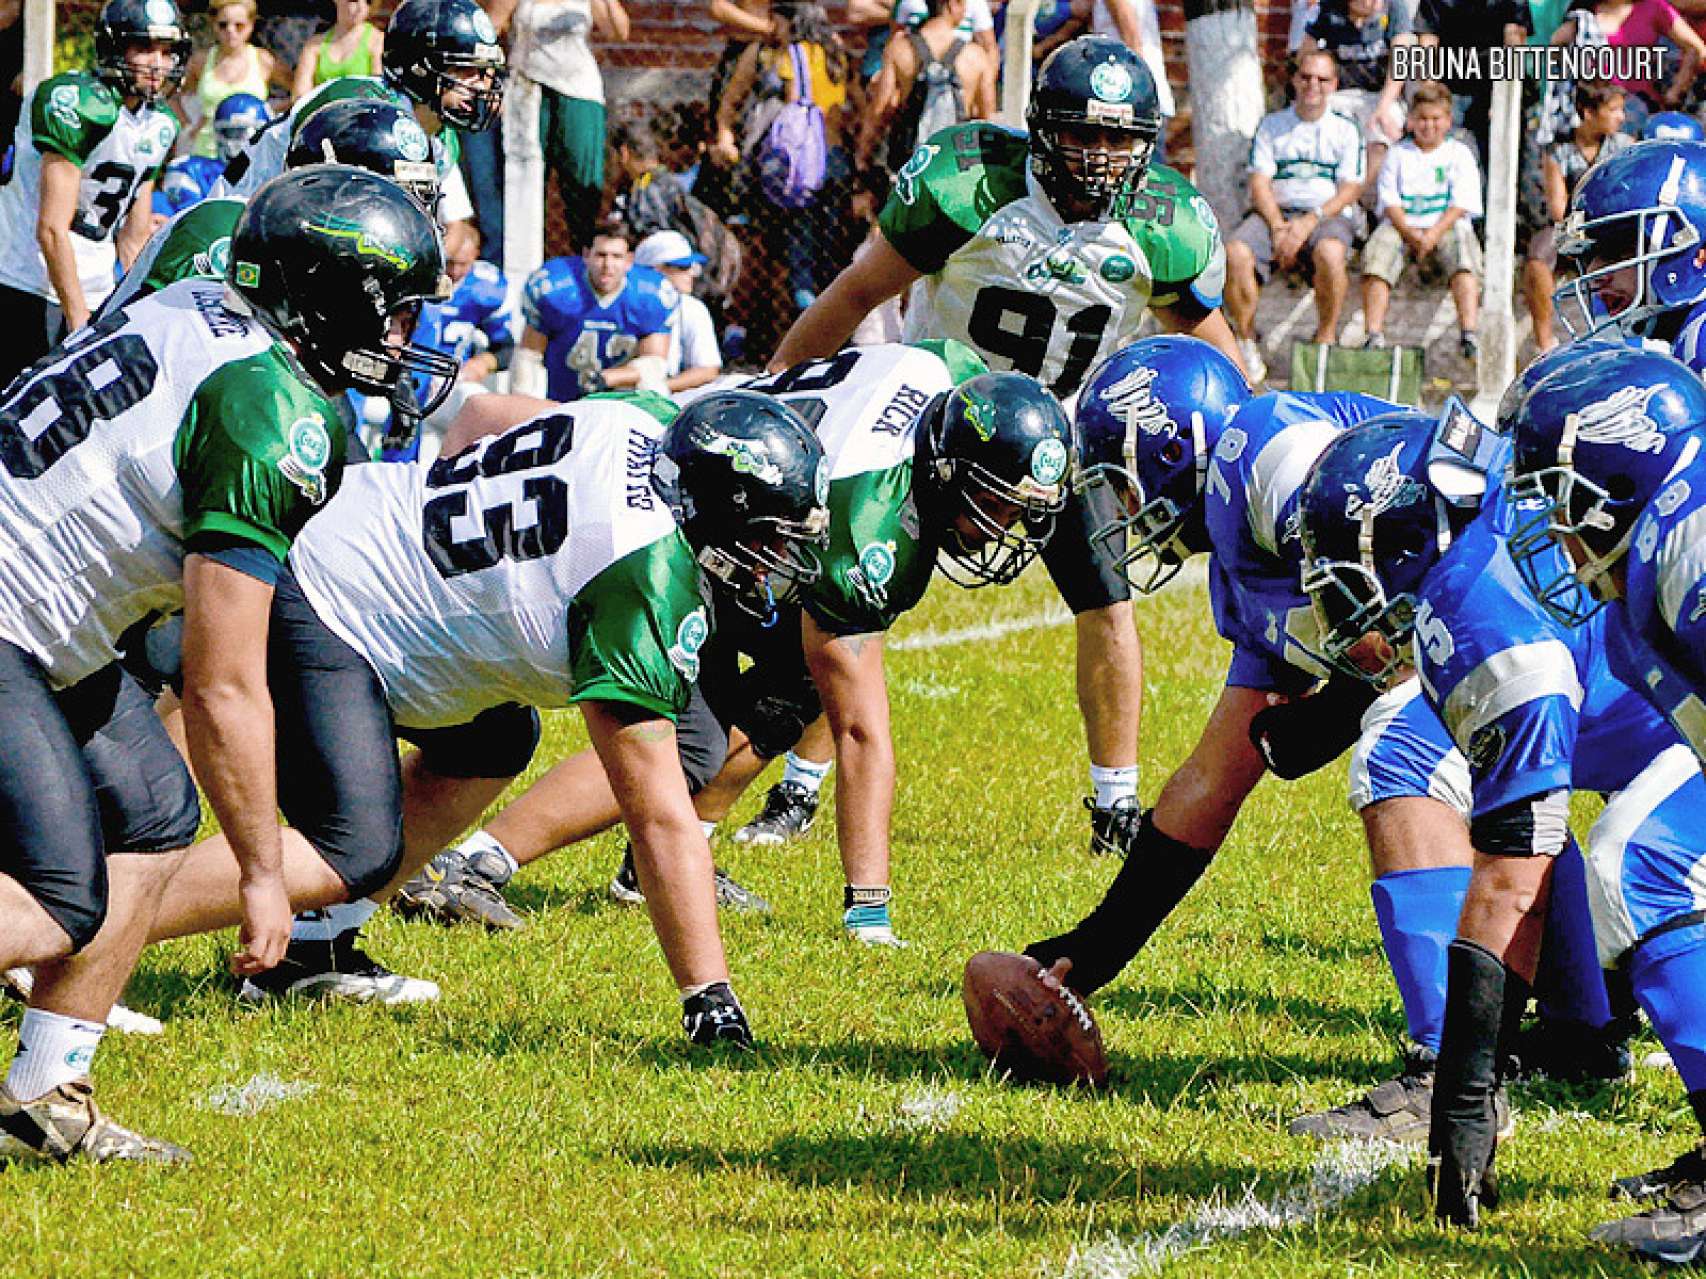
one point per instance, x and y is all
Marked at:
(1407, 562)
(1196, 465)
(189, 179)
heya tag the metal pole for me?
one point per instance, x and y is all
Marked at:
(1497, 364)
(1016, 61)
(38, 42)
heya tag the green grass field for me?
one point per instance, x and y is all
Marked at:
(546, 1119)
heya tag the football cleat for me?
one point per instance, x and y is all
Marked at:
(1686, 1167)
(788, 813)
(454, 889)
(1393, 1110)
(1573, 1053)
(1113, 829)
(625, 888)
(65, 1124)
(338, 969)
(714, 1016)
(1673, 1231)
(20, 983)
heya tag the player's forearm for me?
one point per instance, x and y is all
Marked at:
(690, 378)
(229, 725)
(55, 242)
(864, 800)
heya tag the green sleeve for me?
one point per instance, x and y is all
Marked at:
(69, 116)
(876, 566)
(257, 454)
(198, 245)
(950, 187)
(1180, 237)
(636, 629)
(661, 407)
(962, 361)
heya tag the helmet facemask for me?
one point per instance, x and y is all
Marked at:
(997, 511)
(1150, 539)
(1101, 178)
(1559, 502)
(379, 368)
(1644, 239)
(114, 66)
(1350, 603)
(484, 92)
(768, 566)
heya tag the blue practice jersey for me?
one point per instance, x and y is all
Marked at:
(582, 333)
(1533, 705)
(188, 180)
(1689, 345)
(1658, 629)
(1259, 465)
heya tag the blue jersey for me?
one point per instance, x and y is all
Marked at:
(187, 181)
(582, 333)
(1689, 345)
(1658, 629)
(1259, 465)
(476, 317)
(1532, 704)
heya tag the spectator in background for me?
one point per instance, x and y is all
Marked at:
(232, 65)
(745, 23)
(931, 78)
(11, 68)
(1639, 22)
(596, 321)
(1472, 24)
(353, 46)
(1361, 34)
(1134, 24)
(693, 358)
(655, 199)
(1302, 14)
(1429, 189)
(1599, 107)
(482, 160)
(1306, 177)
(1057, 21)
(553, 48)
(811, 242)
(284, 26)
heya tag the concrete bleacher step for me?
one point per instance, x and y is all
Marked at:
(1419, 316)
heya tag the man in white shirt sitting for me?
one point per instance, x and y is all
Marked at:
(1306, 177)
(694, 358)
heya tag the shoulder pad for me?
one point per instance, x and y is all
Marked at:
(1174, 226)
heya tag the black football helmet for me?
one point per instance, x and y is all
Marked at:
(747, 480)
(998, 454)
(380, 137)
(428, 41)
(126, 23)
(1092, 85)
(331, 257)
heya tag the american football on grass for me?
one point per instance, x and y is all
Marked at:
(1034, 1033)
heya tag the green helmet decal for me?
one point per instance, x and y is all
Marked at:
(980, 413)
(344, 229)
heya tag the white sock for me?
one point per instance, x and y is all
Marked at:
(1113, 784)
(324, 925)
(480, 842)
(807, 774)
(710, 828)
(52, 1050)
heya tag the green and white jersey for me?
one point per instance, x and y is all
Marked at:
(194, 245)
(865, 403)
(79, 117)
(538, 567)
(177, 425)
(1025, 289)
(263, 159)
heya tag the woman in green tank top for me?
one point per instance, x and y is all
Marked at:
(233, 65)
(354, 46)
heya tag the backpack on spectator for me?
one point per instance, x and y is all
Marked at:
(793, 158)
(659, 202)
(936, 101)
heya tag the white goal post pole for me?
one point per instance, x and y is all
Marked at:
(1016, 61)
(1497, 364)
(524, 191)
(38, 43)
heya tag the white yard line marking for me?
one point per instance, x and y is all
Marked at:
(1340, 1171)
(1054, 615)
(262, 1090)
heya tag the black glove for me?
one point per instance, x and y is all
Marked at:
(1153, 879)
(1307, 733)
(714, 1016)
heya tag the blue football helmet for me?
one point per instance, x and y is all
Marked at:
(237, 119)
(1381, 506)
(1549, 362)
(1643, 208)
(1672, 126)
(1148, 422)
(1595, 441)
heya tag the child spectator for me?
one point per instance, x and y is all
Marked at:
(1429, 188)
(353, 46)
(931, 78)
(1599, 107)
(694, 358)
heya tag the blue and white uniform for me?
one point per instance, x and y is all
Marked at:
(1689, 345)
(476, 318)
(584, 332)
(188, 180)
